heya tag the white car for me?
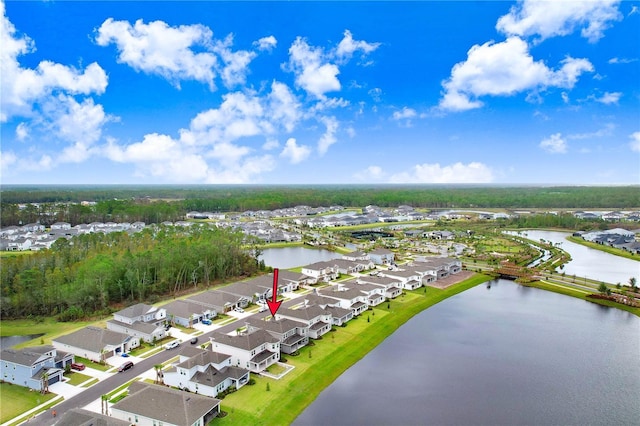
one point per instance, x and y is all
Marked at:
(172, 345)
(239, 310)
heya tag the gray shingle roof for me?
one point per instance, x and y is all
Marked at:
(166, 404)
(93, 339)
(136, 310)
(82, 417)
(245, 341)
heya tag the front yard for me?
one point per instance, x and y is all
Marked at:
(18, 399)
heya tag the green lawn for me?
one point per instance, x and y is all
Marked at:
(49, 326)
(18, 399)
(92, 364)
(568, 291)
(76, 378)
(319, 365)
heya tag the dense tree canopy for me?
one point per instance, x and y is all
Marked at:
(154, 204)
(90, 272)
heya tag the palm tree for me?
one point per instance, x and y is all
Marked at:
(45, 382)
(104, 404)
(159, 375)
(632, 283)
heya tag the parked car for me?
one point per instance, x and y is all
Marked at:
(193, 340)
(124, 367)
(124, 355)
(239, 310)
(172, 345)
(78, 366)
(206, 322)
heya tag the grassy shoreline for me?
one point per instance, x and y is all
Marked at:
(318, 366)
(567, 291)
(611, 250)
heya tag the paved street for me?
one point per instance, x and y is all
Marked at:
(76, 397)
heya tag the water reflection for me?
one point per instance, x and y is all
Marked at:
(511, 355)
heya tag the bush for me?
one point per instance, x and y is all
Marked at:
(251, 382)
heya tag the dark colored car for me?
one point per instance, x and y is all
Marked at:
(78, 366)
(124, 367)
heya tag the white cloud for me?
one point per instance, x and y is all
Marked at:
(547, 19)
(283, 106)
(609, 98)
(474, 172)
(607, 130)
(316, 70)
(22, 88)
(266, 43)
(504, 69)
(7, 160)
(622, 60)
(554, 144)
(371, 174)
(351, 132)
(376, 94)
(565, 97)
(635, 141)
(185, 52)
(313, 73)
(235, 69)
(329, 136)
(348, 46)
(294, 152)
(22, 131)
(271, 144)
(404, 113)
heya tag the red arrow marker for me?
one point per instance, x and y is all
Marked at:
(274, 304)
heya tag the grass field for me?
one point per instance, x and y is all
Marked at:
(319, 365)
(47, 326)
(18, 399)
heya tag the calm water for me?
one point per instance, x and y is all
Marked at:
(506, 355)
(9, 341)
(589, 262)
(292, 257)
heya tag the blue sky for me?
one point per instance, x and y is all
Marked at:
(430, 92)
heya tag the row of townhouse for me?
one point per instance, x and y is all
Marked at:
(35, 237)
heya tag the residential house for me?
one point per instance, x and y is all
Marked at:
(205, 372)
(82, 417)
(316, 319)
(220, 301)
(409, 280)
(356, 255)
(254, 351)
(188, 312)
(444, 266)
(31, 366)
(349, 298)
(153, 405)
(62, 226)
(96, 344)
(321, 272)
(426, 272)
(140, 320)
(382, 256)
(374, 293)
(252, 292)
(392, 287)
(287, 331)
(339, 316)
(19, 244)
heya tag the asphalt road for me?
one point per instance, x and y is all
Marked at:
(105, 386)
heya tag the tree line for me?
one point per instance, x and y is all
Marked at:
(89, 273)
(220, 198)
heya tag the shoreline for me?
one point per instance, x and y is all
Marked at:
(318, 366)
(605, 249)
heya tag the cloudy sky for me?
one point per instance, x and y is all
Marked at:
(320, 92)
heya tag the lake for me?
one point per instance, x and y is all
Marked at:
(504, 355)
(592, 263)
(292, 257)
(8, 341)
